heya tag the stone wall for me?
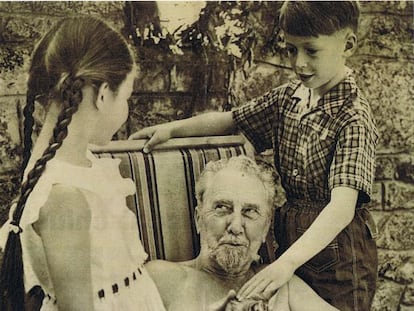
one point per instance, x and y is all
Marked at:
(173, 87)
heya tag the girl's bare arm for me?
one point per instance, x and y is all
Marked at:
(63, 225)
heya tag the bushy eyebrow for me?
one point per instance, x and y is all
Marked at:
(252, 206)
(230, 203)
(223, 201)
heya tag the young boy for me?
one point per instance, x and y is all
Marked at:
(323, 136)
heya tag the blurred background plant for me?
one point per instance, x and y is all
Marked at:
(243, 32)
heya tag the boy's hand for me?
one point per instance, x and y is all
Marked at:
(266, 282)
(156, 134)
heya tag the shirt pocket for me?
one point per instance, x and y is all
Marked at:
(319, 149)
(325, 259)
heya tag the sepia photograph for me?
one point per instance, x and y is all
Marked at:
(207, 155)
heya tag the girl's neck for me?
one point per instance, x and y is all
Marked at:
(73, 151)
(74, 146)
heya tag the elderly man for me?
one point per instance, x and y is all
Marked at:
(235, 207)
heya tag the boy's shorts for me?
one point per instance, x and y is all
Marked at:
(345, 272)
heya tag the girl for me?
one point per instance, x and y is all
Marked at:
(79, 242)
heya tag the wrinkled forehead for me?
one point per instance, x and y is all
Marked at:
(236, 187)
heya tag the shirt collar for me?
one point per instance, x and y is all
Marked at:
(332, 101)
(301, 92)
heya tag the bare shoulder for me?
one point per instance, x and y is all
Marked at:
(166, 272)
(164, 267)
(169, 277)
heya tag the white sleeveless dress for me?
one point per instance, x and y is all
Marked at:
(119, 279)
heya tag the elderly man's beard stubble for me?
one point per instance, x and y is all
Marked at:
(232, 255)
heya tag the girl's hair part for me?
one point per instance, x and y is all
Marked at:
(314, 18)
(74, 53)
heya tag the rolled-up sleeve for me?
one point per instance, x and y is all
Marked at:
(353, 164)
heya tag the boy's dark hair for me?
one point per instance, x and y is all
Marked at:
(314, 18)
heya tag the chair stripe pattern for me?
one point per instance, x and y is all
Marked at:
(165, 200)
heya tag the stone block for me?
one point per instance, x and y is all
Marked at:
(385, 167)
(402, 8)
(152, 77)
(376, 202)
(9, 134)
(379, 216)
(398, 195)
(258, 79)
(112, 9)
(408, 296)
(218, 102)
(399, 167)
(387, 296)
(386, 36)
(23, 23)
(209, 102)
(181, 77)
(182, 106)
(397, 266)
(218, 77)
(405, 168)
(397, 231)
(14, 63)
(389, 89)
(24, 29)
(147, 110)
(403, 307)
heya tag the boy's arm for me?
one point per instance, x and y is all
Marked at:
(208, 124)
(332, 220)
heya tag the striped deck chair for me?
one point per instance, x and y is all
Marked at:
(165, 179)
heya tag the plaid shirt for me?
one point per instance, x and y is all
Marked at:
(330, 145)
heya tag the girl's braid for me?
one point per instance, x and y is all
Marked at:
(28, 129)
(72, 96)
(12, 283)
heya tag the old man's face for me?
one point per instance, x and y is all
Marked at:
(233, 220)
